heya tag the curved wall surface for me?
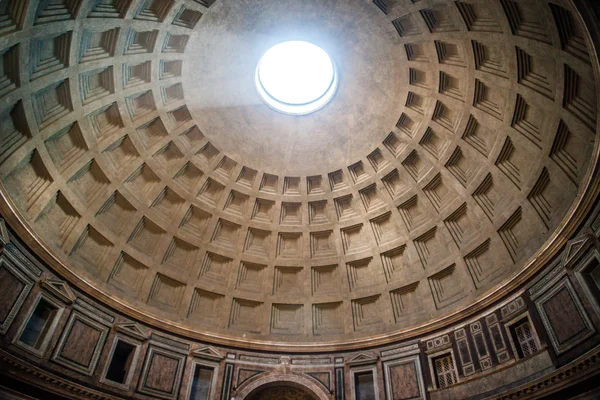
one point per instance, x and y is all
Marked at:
(540, 340)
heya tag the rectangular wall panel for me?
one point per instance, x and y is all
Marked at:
(563, 316)
(162, 372)
(227, 381)
(81, 343)
(403, 379)
(339, 384)
(15, 288)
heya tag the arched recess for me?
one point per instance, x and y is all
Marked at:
(275, 379)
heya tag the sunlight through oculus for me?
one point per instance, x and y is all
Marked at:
(296, 78)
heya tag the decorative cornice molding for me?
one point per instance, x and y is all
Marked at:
(570, 374)
(35, 376)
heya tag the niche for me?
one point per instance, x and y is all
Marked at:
(122, 361)
(201, 382)
(364, 386)
(39, 326)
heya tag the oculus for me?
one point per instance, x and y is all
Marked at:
(296, 78)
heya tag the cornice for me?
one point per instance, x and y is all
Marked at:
(38, 377)
(568, 375)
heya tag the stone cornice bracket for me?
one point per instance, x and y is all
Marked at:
(59, 289)
(362, 359)
(207, 353)
(134, 330)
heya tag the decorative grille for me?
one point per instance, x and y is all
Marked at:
(444, 367)
(526, 338)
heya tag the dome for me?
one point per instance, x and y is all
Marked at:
(140, 161)
(368, 192)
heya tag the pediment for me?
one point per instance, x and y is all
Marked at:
(60, 289)
(4, 238)
(575, 249)
(363, 358)
(207, 352)
(133, 329)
